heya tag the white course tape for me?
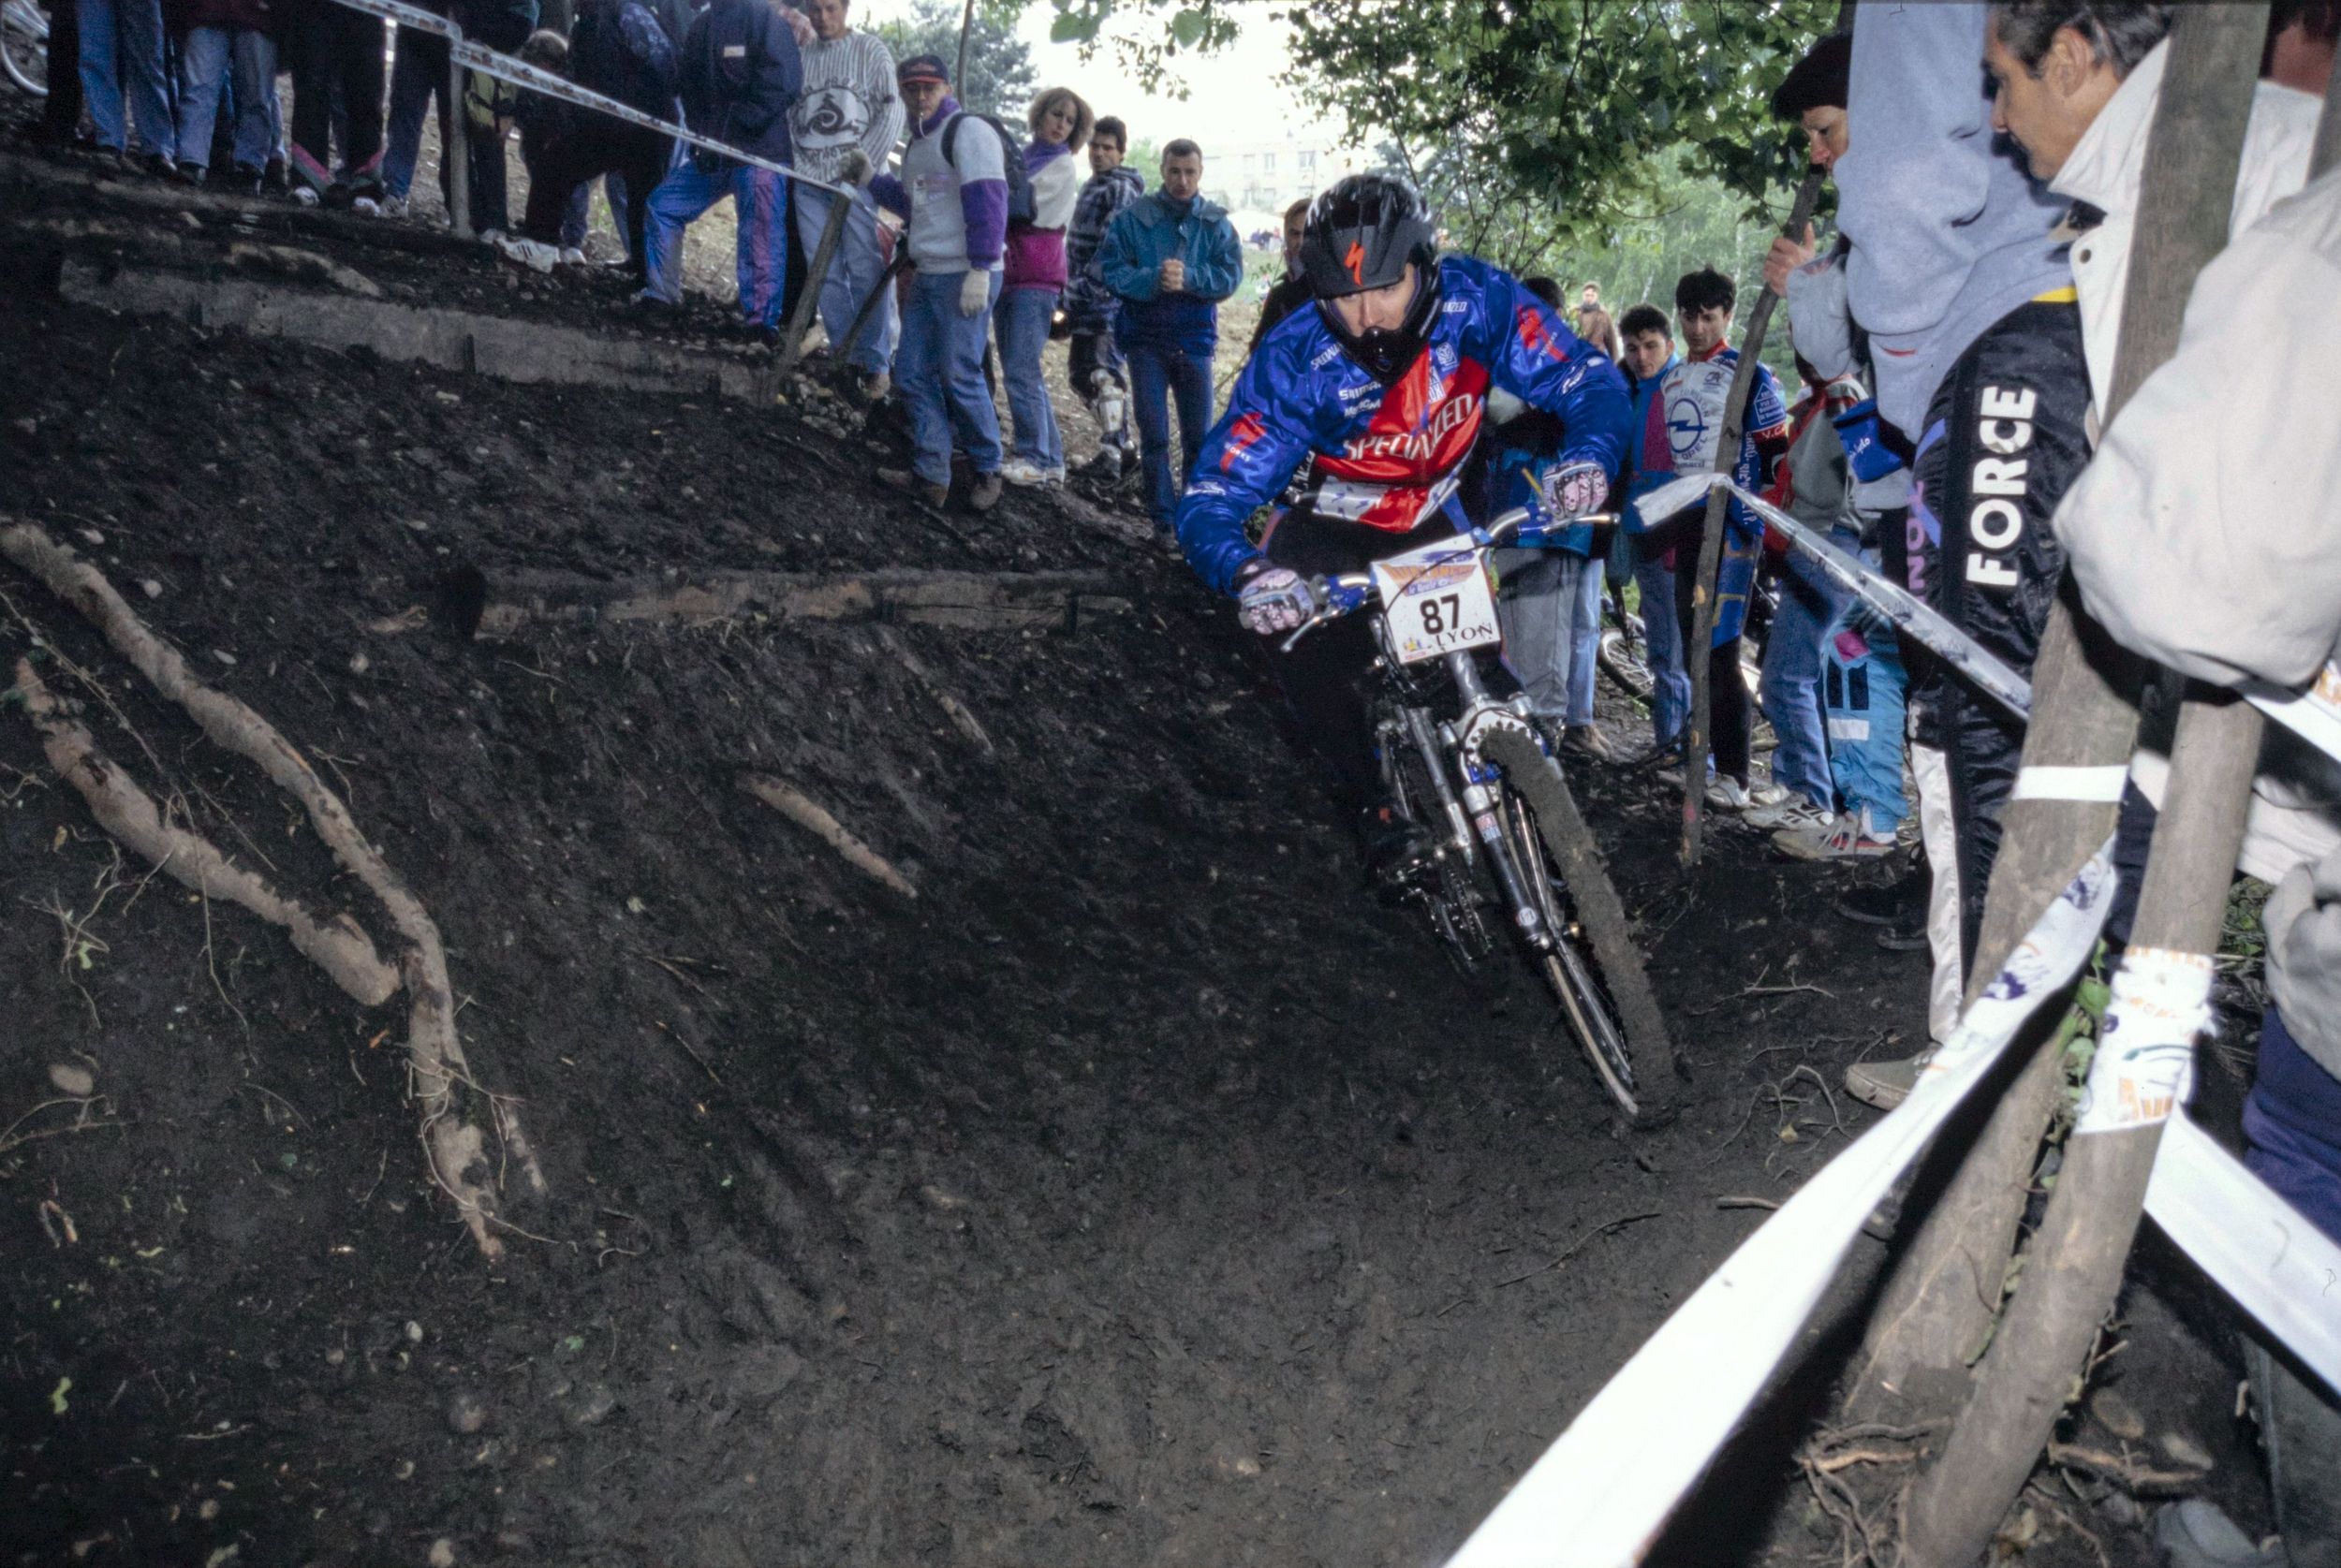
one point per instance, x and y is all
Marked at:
(2145, 1064)
(2314, 715)
(1962, 653)
(2277, 1266)
(506, 68)
(1600, 1494)
(2102, 785)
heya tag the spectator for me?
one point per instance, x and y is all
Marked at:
(848, 106)
(1596, 327)
(1968, 298)
(337, 65)
(1648, 346)
(618, 49)
(1679, 435)
(1170, 257)
(229, 48)
(741, 72)
(1292, 291)
(954, 190)
(122, 53)
(490, 106)
(1033, 278)
(1552, 633)
(418, 71)
(1095, 366)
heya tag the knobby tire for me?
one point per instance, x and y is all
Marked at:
(1538, 779)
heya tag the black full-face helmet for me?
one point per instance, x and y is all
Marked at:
(1361, 234)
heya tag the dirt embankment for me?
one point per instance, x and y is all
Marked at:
(1138, 1191)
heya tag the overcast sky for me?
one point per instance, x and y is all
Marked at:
(1232, 96)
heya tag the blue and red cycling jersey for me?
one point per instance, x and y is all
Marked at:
(1388, 458)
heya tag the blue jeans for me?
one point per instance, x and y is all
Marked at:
(2292, 1127)
(1547, 603)
(1021, 319)
(853, 271)
(762, 208)
(1157, 373)
(206, 61)
(122, 49)
(1863, 682)
(1810, 604)
(938, 374)
(1662, 649)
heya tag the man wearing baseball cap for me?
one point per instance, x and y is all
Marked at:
(953, 190)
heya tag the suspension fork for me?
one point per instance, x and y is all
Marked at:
(1483, 804)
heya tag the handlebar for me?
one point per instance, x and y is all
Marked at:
(1521, 528)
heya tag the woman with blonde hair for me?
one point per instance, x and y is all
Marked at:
(1034, 278)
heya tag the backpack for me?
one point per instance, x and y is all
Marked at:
(1019, 207)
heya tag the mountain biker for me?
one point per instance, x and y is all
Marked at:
(1383, 383)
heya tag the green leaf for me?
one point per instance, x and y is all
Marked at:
(1187, 27)
(1072, 27)
(56, 1396)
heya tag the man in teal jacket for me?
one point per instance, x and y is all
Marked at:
(1170, 257)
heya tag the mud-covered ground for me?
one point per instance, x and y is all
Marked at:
(1140, 1191)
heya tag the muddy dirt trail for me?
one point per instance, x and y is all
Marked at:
(1137, 1191)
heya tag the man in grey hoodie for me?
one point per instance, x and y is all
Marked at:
(1966, 292)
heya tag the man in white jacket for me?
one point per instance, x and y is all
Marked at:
(848, 106)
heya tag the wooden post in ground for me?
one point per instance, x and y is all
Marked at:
(1943, 1293)
(809, 300)
(455, 154)
(1711, 536)
(2073, 1269)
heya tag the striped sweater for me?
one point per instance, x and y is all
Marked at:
(848, 101)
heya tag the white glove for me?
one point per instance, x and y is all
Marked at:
(1571, 489)
(1272, 599)
(855, 168)
(975, 292)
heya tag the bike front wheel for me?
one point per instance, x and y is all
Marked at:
(1584, 1007)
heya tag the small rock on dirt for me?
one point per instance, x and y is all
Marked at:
(70, 1079)
(150, 587)
(466, 1412)
(442, 1553)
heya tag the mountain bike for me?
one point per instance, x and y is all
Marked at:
(24, 46)
(1507, 846)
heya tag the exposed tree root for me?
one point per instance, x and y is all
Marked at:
(792, 803)
(454, 1147)
(340, 947)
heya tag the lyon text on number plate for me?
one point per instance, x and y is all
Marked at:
(1437, 600)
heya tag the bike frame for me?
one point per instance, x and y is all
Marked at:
(1465, 780)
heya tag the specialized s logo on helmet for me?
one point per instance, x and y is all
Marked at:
(1534, 334)
(1355, 263)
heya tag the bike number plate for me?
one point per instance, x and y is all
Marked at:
(1437, 600)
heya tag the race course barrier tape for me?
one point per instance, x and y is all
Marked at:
(1600, 1495)
(1989, 674)
(521, 74)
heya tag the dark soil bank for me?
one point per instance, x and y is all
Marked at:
(1139, 1193)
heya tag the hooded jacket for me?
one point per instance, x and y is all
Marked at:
(1948, 235)
(1089, 304)
(1388, 458)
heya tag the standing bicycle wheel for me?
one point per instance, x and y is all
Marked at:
(24, 46)
(1585, 1005)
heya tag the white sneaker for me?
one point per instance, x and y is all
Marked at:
(1849, 837)
(366, 207)
(306, 195)
(534, 255)
(1727, 794)
(572, 256)
(1769, 794)
(1024, 474)
(1055, 475)
(1886, 1084)
(492, 236)
(1795, 811)
(394, 206)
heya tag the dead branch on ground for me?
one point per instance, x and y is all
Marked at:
(792, 803)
